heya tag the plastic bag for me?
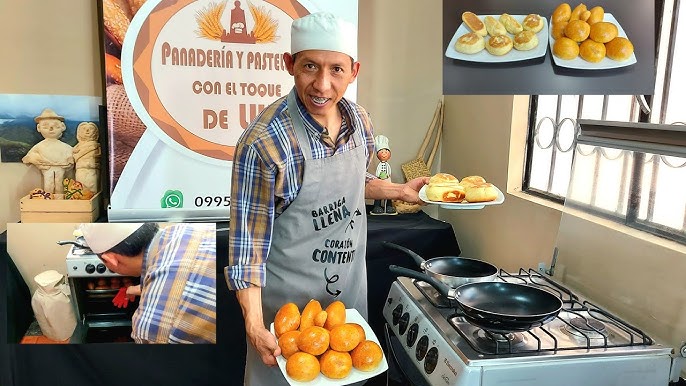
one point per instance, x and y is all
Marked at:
(52, 306)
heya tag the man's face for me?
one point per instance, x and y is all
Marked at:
(123, 265)
(51, 128)
(321, 79)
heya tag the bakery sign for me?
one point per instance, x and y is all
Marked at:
(194, 74)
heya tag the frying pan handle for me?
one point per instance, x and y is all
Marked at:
(442, 288)
(72, 243)
(418, 259)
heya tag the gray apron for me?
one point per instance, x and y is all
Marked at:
(318, 243)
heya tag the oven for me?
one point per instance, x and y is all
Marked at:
(431, 343)
(93, 287)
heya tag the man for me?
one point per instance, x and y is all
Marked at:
(299, 183)
(176, 265)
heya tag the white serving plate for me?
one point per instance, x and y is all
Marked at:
(485, 57)
(458, 205)
(604, 64)
(351, 316)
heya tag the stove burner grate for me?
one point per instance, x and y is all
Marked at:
(586, 327)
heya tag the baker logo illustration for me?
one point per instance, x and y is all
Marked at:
(210, 24)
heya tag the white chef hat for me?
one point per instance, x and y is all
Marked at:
(381, 142)
(324, 31)
(101, 237)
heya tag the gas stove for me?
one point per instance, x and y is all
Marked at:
(583, 345)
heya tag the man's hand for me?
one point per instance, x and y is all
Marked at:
(265, 344)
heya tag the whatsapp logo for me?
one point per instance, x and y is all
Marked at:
(172, 199)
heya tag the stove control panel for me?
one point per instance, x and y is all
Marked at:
(435, 358)
(87, 268)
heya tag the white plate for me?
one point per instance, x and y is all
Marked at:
(604, 64)
(458, 205)
(513, 56)
(351, 316)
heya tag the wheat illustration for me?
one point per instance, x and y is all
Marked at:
(265, 27)
(208, 20)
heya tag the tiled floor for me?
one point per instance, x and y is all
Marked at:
(35, 336)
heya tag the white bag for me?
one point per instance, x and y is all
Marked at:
(52, 307)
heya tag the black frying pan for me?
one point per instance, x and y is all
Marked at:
(497, 306)
(451, 270)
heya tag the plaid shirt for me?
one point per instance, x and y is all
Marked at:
(178, 287)
(267, 174)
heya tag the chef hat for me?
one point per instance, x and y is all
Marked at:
(381, 142)
(324, 31)
(101, 237)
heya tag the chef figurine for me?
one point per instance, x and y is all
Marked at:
(87, 156)
(383, 172)
(53, 157)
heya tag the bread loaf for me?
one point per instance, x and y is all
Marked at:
(481, 193)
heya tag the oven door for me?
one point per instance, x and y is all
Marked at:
(402, 369)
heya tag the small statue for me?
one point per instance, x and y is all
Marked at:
(383, 172)
(87, 156)
(51, 156)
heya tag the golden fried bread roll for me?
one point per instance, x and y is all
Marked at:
(445, 192)
(577, 30)
(566, 48)
(499, 45)
(619, 49)
(312, 309)
(533, 22)
(525, 40)
(472, 180)
(597, 15)
(511, 24)
(592, 51)
(494, 27)
(470, 43)
(577, 11)
(443, 178)
(561, 13)
(603, 32)
(481, 193)
(585, 15)
(474, 23)
(558, 29)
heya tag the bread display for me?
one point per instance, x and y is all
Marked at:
(481, 193)
(494, 27)
(511, 24)
(470, 43)
(533, 22)
(619, 49)
(474, 23)
(525, 40)
(587, 35)
(499, 45)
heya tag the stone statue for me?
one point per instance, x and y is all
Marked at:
(87, 156)
(383, 172)
(51, 156)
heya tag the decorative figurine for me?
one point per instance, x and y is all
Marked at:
(383, 172)
(51, 156)
(87, 156)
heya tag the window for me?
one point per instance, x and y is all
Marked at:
(640, 189)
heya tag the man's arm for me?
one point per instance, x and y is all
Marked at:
(377, 189)
(262, 339)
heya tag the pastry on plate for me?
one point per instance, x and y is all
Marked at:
(481, 193)
(470, 43)
(474, 23)
(597, 15)
(577, 12)
(558, 29)
(443, 178)
(592, 51)
(566, 48)
(603, 32)
(494, 27)
(561, 13)
(533, 22)
(511, 24)
(577, 30)
(499, 45)
(445, 192)
(525, 40)
(619, 49)
(472, 180)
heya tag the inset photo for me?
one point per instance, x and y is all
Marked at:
(520, 47)
(112, 283)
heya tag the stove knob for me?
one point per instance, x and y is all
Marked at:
(431, 360)
(101, 268)
(404, 322)
(90, 268)
(396, 314)
(412, 334)
(422, 347)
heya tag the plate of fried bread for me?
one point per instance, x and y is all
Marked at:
(596, 43)
(471, 192)
(498, 38)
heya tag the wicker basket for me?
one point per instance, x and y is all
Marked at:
(418, 167)
(406, 207)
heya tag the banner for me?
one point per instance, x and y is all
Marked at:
(184, 79)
